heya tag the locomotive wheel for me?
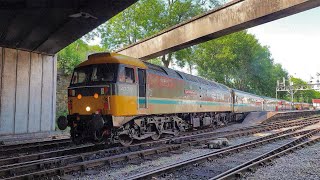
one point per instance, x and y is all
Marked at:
(156, 136)
(98, 136)
(125, 140)
(176, 133)
(76, 138)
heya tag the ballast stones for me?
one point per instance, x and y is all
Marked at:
(218, 143)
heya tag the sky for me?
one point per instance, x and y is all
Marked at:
(294, 42)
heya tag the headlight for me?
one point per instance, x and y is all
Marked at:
(88, 108)
(96, 95)
(79, 96)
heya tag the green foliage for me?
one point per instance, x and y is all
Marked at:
(74, 54)
(156, 61)
(187, 57)
(304, 96)
(146, 18)
(239, 61)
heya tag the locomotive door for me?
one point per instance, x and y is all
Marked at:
(142, 88)
(233, 100)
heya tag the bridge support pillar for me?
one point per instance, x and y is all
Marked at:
(27, 92)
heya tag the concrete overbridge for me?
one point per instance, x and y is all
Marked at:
(232, 17)
(31, 33)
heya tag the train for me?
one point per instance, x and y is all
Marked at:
(114, 98)
(302, 106)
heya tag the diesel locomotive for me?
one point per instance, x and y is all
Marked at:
(116, 98)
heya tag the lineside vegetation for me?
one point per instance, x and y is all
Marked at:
(237, 60)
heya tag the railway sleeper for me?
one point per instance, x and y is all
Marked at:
(108, 161)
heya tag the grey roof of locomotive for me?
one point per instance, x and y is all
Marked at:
(184, 76)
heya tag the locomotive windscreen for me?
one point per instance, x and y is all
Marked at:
(94, 74)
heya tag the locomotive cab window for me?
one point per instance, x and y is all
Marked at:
(129, 75)
(102, 73)
(94, 74)
(79, 77)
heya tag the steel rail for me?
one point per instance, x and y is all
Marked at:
(7, 150)
(250, 165)
(92, 163)
(12, 167)
(209, 156)
(31, 147)
(18, 145)
(41, 165)
(291, 115)
(94, 149)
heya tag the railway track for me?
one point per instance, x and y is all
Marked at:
(264, 159)
(266, 146)
(11, 149)
(96, 149)
(292, 115)
(64, 161)
(37, 147)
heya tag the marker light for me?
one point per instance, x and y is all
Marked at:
(103, 90)
(79, 96)
(72, 92)
(88, 108)
(96, 95)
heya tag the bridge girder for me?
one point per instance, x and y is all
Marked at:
(232, 17)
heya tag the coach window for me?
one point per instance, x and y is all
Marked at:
(129, 75)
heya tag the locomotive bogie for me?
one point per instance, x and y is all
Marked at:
(153, 126)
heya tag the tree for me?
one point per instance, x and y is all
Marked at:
(74, 54)
(239, 61)
(304, 96)
(186, 57)
(146, 18)
(156, 61)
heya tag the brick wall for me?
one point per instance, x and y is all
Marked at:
(63, 81)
